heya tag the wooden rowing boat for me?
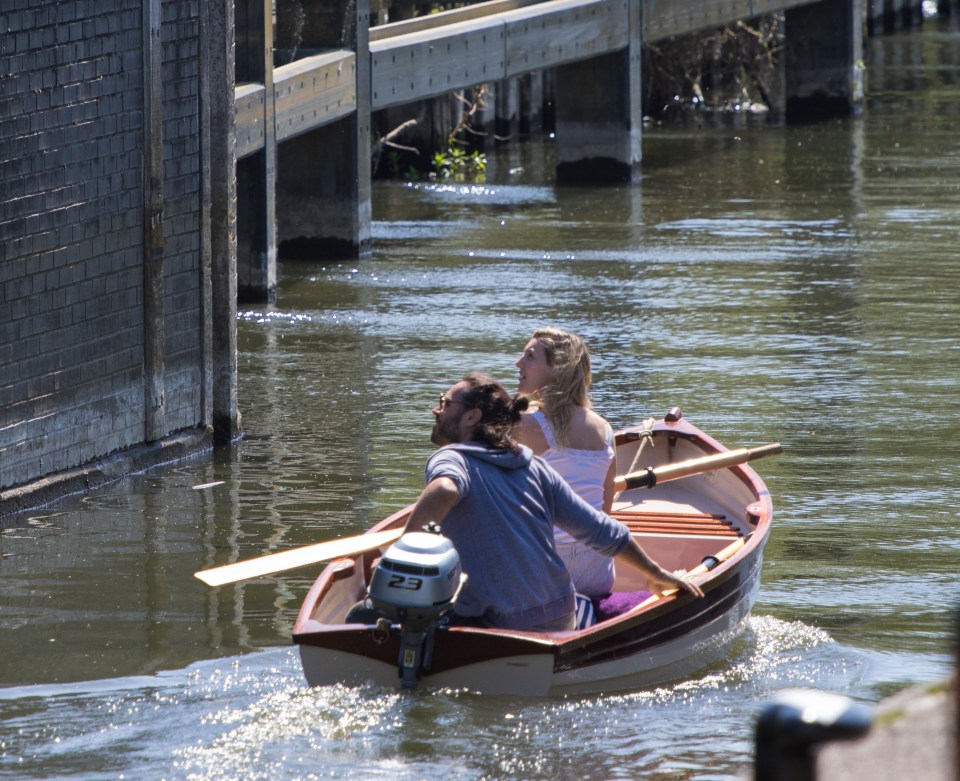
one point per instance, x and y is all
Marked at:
(713, 523)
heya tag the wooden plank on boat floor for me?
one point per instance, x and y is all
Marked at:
(678, 516)
(706, 531)
(677, 523)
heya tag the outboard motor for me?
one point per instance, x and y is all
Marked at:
(417, 580)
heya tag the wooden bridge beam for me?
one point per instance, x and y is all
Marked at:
(220, 160)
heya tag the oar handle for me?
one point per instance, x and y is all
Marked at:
(649, 477)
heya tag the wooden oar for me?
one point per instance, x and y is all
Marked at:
(651, 476)
(351, 546)
(297, 557)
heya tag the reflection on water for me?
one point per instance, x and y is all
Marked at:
(779, 284)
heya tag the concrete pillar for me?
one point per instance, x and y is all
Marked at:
(220, 158)
(893, 15)
(507, 97)
(599, 116)
(323, 181)
(257, 174)
(874, 17)
(906, 13)
(824, 60)
(531, 103)
(912, 13)
(890, 16)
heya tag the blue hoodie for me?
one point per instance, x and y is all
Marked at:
(502, 527)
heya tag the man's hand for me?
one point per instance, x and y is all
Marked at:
(660, 580)
(667, 582)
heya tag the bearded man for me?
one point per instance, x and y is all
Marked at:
(498, 504)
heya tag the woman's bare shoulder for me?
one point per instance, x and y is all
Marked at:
(588, 430)
(530, 434)
(595, 419)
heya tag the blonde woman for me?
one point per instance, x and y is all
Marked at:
(572, 438)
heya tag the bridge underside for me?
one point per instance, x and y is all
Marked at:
(317, 115)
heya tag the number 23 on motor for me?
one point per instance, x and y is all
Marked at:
(402, 581)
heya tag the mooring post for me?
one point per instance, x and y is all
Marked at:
(257, 173)
(791, 730)
(599, 114)
(153, 246)
(824, 60)
(956, 695)
(324, 177)
(220, 161)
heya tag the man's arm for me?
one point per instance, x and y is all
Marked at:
(660, 580)
(436, 500)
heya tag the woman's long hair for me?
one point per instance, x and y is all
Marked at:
(569, 358)
(500, 413)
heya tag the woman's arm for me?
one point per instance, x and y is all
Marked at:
(608, 487)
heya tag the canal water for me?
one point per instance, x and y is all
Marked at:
(792, 284)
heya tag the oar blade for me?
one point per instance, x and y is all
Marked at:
(296, 557)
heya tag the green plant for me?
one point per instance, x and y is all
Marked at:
(458, 163)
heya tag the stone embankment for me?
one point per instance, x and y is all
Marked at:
(913, 738)
(806, 735)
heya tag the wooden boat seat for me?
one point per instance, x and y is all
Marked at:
(643, 522)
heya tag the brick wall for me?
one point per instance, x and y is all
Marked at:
(71, 234)
(181, 204)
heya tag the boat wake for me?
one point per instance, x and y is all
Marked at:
(253, 717)
(368, 732)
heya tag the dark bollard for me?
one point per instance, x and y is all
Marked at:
(956, 699)
(792, 728)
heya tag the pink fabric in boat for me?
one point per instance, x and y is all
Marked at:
(618, 602)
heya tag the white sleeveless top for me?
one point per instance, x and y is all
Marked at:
(584, 470)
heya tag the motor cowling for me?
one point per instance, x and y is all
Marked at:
(417, 580)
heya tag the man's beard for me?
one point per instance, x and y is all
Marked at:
(445, 433)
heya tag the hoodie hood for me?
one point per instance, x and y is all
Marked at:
(505, 459)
